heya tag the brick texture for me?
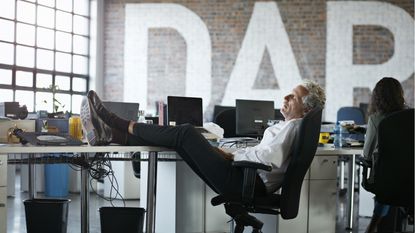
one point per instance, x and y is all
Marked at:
(304, 21)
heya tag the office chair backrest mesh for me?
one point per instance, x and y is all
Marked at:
(351, 113)
(305, 147)
(394, 169)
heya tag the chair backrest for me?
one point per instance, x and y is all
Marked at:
(394, 168)
(351, 113)
(305, 147)
(278, 114)
(219, 108)
(227, 120)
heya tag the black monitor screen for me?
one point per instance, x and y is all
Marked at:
(182, 110)
(128, 111)
(252, 116)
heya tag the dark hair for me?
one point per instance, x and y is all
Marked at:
(387, 96)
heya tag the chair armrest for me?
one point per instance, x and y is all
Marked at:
(250, 164)
(364, 162)
(367, 169)
(250, 172)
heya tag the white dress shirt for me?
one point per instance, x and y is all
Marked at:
(273, 150)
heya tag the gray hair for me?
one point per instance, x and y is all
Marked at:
(316, 96)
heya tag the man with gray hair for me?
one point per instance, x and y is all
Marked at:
(211, 164)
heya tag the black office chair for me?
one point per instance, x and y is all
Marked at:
(278, 115)
(393, 182)
(286, 203)
(136, 156)
(219, 108)
(227, 120)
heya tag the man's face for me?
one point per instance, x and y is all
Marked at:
(293, 104)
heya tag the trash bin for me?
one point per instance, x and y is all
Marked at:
(56, 180)
(46, 215)
(121, 219)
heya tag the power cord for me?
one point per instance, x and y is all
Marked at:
(99, 167)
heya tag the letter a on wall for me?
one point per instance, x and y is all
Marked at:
(341, 74)
(265, 31)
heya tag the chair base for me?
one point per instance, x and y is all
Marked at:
(242, 218)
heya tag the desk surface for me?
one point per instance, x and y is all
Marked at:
(18, 148)
(330, 150)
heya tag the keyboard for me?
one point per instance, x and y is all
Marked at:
(48, 139)
(239, 139)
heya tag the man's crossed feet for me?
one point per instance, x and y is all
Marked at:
(97, 132)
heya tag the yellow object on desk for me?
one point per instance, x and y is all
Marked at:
(324, 138)
(75, 127)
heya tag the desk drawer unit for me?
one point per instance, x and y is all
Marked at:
(3, 170)
(3, 193)
(323, 168)
(3, 209)
(322, 197)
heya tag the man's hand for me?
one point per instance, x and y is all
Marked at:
(226, 155)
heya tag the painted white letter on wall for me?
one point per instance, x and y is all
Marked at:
(265, 31)
(341, 74)
(139, 18)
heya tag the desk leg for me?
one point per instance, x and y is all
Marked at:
(84, 198)
(32, 176)
(352, 175)
(151, 192)
(341, 181)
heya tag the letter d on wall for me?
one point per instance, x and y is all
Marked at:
(341, 74)
(139, 18)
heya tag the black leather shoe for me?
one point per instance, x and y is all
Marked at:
(107, 116)
(96, 131)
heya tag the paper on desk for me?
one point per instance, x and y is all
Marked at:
(214, 128)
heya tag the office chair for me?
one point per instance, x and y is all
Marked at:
(351, 113)
(219, 108)
(394, 168)
(286, 203)
(136, 156)
(227, 120)
(278, 115)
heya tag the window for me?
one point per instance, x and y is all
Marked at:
(45, 53)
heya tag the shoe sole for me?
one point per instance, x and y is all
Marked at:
(87, 125)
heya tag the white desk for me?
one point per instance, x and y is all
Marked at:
(152, 173)
(352, 152)
(151, 181)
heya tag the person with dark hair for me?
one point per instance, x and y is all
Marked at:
(211, 164)
(387, 97)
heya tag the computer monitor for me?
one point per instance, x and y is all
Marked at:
(128, 111)
(181, 110)
(252, 116)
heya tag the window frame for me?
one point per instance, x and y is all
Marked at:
(53, 72)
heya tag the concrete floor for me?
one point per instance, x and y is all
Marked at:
(17, 224)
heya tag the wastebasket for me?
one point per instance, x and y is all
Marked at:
(56, 180)
(46, 215)
(121, 219)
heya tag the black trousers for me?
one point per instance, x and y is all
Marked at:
(205, 160)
